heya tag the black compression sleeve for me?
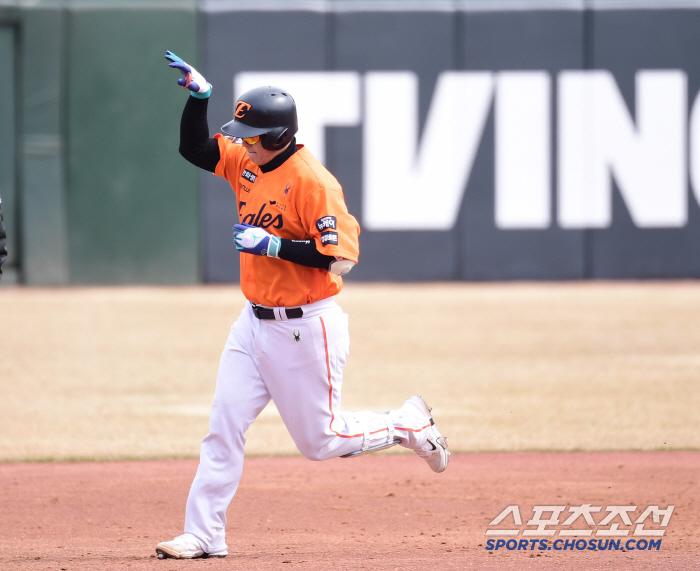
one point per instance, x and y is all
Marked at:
(304, 253)
(195, 144)
(3, 250)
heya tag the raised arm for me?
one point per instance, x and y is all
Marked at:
(195, 144)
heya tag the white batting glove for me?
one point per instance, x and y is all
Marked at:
(254, 240)
(192, 79)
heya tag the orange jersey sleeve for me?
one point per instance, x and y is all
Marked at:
(324, 215)
(232, 156)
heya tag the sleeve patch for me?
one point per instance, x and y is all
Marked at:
(329, 238)
(326, 222)
(248, 175)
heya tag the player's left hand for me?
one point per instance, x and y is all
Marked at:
(192, 79)
(254, 240)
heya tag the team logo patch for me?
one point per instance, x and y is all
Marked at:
(249, 175)
(288, 187)
(325, 223)
(329, 238)
(241, 109)
(297, 336)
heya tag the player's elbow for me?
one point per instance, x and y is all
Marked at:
(202, 154)
(341, 266)
(188, 153)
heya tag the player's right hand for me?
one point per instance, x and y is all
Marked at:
(254, 240)
(192, 79)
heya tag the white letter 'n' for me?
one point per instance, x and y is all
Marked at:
(599, 140)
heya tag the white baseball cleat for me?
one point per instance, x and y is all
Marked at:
(185, 546)
(434, 451)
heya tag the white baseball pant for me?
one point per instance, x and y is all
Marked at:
(263, 361)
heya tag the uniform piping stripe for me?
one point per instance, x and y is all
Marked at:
(330, 397)
(330, 386)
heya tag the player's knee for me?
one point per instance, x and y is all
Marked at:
(219, 447)
(314, 453)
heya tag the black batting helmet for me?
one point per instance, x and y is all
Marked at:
(266, 111)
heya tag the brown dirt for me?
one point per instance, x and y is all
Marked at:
(377, 512)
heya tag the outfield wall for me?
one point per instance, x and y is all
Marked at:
(98, 193)
(477, 140)
(478, 144)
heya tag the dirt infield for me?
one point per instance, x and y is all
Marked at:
(377, 512)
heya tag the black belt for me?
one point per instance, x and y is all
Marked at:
(266, 313)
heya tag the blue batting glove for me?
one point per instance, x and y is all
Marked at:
(254, 240)
(192, 79)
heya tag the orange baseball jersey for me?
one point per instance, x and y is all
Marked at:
(299, 200)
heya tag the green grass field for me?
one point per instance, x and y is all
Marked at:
(130, 372)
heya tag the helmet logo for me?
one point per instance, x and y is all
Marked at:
(241, 108)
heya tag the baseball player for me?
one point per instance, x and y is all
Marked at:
(290, 342)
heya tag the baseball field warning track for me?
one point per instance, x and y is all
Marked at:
(374, 512)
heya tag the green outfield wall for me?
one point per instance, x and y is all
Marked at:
(98, 193)
(131, 200)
